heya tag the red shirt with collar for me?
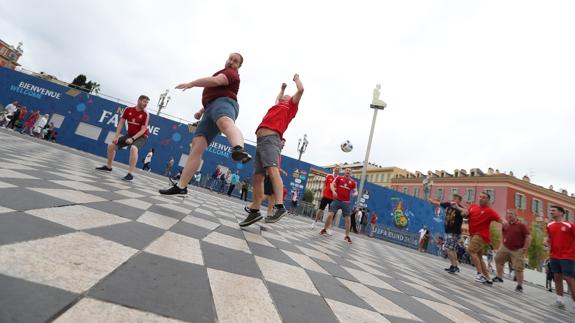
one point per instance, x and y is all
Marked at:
(561, 240)
(480, 218)
(343, 188)
(231, 90)
(327, 193)
(136, 119)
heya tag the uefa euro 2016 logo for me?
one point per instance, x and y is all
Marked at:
(400, 218)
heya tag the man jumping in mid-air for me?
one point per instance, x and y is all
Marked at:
(219, 113)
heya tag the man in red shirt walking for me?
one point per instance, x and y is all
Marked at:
(219, 113)
(268, 149)
(479, 219)
(342, 188)
(327, 194)
(138, 119)
(561, 242)
(516, 240)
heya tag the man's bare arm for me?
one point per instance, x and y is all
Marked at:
(299, 85)
(212, 81)
(283, 88)
(434, 201)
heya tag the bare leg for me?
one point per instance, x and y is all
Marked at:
(199, 144)
(233, 133)
(258, 191)
(111, 154)
(328, 220)
(271, 204)
(277, 184)
(452, 257)
(499, 268)
(347, 225)
(570, 283)
(558, 278)
(133, 159)
(475, 259)
(483, 270)
(519, 276)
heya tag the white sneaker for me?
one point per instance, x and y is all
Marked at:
(328, 232)
(560, 304)
(313, 225)
(480, 278)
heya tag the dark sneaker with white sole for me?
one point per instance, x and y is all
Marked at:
(519, 289)
(497, 280)
(174, 190)
(252, 218)
(104, 169)
(278, 214)
(239, 154)
(128, 177)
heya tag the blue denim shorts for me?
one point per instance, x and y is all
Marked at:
(345, 207)
(220, 107)
(562, 266)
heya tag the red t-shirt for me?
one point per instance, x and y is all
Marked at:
(279, 116)
(514, 235)
(561, 240)
(374, 219)
(327, 193)
(136, 119)
(230, 90)
(343, 188)
(480, 219)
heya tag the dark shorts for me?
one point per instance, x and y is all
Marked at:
(562, 266)
(268, 151)
(345, 207)
(452, 239)
(324, 202)
(220, 107)
(268, 187)
(140, 142)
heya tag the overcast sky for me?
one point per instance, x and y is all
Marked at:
(468, 83)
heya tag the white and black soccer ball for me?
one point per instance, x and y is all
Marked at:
(346, 146)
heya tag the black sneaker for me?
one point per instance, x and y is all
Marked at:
(456, 269)
(104, 168)
(448, 269)
(128, 177)
(252, 218)
(519, 289)
(488, 282)
(239, 154)
(278, 214)
(174, 190)
(247, 209)
(452, 270)
(497, 280)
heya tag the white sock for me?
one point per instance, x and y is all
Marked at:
(560, 299)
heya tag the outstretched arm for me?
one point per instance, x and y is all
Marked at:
(297, 96)
(434, 202)
(281, 93)
(212, 81)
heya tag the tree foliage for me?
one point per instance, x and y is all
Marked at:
(308, 196)
(81, 83)
(536, 250)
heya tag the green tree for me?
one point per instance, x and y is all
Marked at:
(536, 250)
(93, 86)
(308, 196)
(495, 235)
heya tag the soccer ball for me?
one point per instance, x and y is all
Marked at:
(346, 146)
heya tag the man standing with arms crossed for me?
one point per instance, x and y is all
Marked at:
(480, 218)
(327, 195)
(342, 188)
(561, 242)
(516, 240)
(219, 113)
(268, 149)
(138, 120)
(452, 225)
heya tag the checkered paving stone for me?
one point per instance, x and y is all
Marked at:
(77, 245)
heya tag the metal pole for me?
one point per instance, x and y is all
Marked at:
(366, 161)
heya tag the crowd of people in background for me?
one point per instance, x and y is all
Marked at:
(18, 118)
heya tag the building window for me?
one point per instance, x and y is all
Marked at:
(453, 191)
(520, 201)
(405, 190)
(439, 194)
(416, 191)
(537, 207)
(469, 195)
(549, 206)
(491, 194)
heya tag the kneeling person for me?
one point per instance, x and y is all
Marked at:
(138, 120)
(268, 150)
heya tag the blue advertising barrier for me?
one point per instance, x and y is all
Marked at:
(88, 122)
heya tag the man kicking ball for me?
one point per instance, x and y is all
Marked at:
(138, 120)
(327, 195)
(342, 188)
(219, 113)
(268, 149)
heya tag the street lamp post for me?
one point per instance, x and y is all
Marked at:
(302, 145)
(376, 105)
(163, 101)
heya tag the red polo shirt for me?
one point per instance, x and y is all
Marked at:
(561, 240)
(480, 219)
(230, 90)
(343, 188)
(327, 193)
(136, 119)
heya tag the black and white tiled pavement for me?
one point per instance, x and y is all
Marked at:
(79, 246)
